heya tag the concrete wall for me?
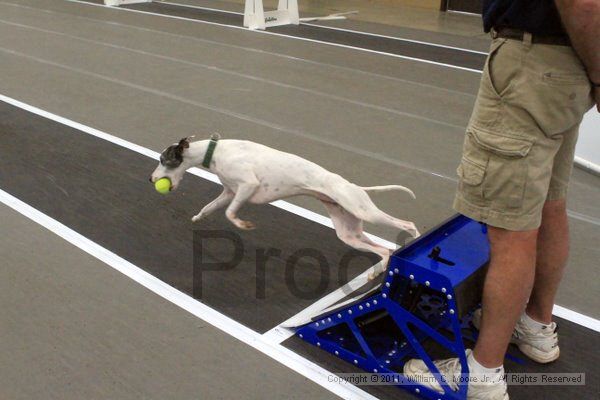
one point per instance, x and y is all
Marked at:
(588, 145)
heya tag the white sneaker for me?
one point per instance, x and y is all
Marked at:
(417, 371)
(540, 345)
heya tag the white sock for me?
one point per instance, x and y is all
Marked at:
(481, 372)
(532, 323)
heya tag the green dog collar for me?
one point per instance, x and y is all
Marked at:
(210, 150)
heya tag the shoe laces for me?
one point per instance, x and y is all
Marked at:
(450, 369)
(547, 335)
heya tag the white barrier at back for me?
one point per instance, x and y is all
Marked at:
(587, 152)
(255, 16)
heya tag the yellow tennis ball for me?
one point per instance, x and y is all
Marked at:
(163, 185)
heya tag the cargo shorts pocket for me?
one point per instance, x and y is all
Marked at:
(559, 101)
(500, 74)
(494, 169)
(501, 67)
(471, 176)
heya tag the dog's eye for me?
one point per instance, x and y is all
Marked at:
(173, 163)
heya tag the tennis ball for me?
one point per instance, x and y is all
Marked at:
(163, 185)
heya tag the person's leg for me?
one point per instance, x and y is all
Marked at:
(507, 286)
(552, 254)
(539, 340)
(553, 239)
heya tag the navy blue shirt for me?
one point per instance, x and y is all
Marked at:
(539, 17)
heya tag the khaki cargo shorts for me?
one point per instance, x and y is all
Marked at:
(520, 143)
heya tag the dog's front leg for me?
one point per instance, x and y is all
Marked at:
(243, 193)
(380, 267)
(223, 199)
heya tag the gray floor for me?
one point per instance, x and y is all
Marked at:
(149, 79)
(372, 118)
(71, 330)
(62, 172)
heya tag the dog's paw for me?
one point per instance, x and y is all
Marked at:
(413, 231)
(246, 225)
(196, 218)
(249, 225)
(374, 274)
(377, 270)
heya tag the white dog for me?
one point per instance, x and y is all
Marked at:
(259, 174)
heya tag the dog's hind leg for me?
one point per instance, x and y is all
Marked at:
(385, 257)
(221, 201)
(357, 202)
(349, 229)
(376, 216)
(244, 192)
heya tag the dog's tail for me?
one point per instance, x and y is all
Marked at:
(387, 188)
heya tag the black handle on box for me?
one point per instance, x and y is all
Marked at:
(435, 255)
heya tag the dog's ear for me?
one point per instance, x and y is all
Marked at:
(184, 143)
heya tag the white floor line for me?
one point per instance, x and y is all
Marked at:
(584, 164)
(578, 318)
(335, 28)
(265, 32)
(247, 49)
(284, 205)
(565, 313)
(277, 352)
(464, 13)
(443, 46)
(233, 114)
(583, 217)
(201, 8)
(241, 75)
(588, 165)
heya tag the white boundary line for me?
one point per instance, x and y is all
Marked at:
(400, 39)
(213, 68)
(579, 162)
(578, 318)
(233, 114)
(282, 35)
(233, 328)
(588, 165)
(242, 48)
(335, 28)
(284, 205)
(200, 7)
(559, 311)
(464, 13)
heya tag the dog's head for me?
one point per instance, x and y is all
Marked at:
(172, 163)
